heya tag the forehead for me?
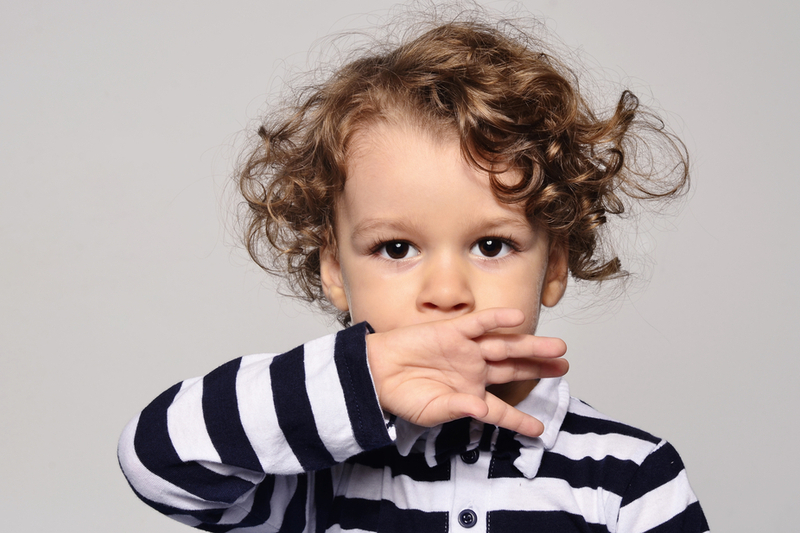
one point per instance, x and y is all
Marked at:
(403, 169)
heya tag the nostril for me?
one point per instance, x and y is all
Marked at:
(432, 306)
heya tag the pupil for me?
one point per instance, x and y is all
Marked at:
(397, 250)
(490, 247)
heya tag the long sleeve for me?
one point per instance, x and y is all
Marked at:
(235, 448)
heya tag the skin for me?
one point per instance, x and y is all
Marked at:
(450, 278)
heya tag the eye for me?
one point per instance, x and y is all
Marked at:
(397, 250)
(491, 247)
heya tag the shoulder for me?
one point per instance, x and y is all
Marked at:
(594, 451)
(589, 433)
(644, 473)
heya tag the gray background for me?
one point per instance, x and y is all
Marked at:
(118, 128)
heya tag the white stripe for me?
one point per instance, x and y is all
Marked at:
(358, 481)
(189, 435)
(657, 506)
(375, 484)
(228, 470)
(257, 413)
(282, 493)
(543, 494)
(599, 447)
(327, 399)
(150, 485)
(549, 494)
(187, 426)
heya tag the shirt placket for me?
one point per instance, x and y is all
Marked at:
(469, 472)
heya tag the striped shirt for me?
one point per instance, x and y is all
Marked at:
(298, 442)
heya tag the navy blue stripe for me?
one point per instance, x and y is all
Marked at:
(610, 473)
(385, 516)
(453, 439)
(263, 497)
(323, 498)
(506, 451)
(581, 425)
(691, 520)
(486, 437)
(156, 452)
(351, 513)
(658, 468)
(366, 417)
(261, 508)
(294, 519)
(293, 409)
(502, 466)
(413, 466)
(561, 521)
(259, 511)
(221, 414)
(506, 443)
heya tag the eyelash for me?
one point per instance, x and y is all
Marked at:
(504, 241)
(381, 248)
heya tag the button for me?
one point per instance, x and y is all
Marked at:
(467, 518)
(471, 457)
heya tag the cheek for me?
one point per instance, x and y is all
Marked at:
(370, 300)
(385, 305)
(530, 306)
(519, 290)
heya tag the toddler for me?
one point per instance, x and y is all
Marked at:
(435, 195)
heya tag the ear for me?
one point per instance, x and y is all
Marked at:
(555, 279)
(330, 273)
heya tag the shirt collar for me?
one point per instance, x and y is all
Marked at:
(548, 402)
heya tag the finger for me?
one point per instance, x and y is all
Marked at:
(479, 323)
(452, 407)
(495, 347)
(510, 370)
(504, 415)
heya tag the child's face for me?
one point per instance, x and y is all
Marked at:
(421, 237)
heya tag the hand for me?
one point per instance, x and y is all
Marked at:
(435, 372)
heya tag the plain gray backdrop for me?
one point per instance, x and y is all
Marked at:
(120, 122)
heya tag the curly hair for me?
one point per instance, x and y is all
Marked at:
(510, 104)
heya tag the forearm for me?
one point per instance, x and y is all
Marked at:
(215, 444)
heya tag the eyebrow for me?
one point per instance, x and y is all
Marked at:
(402, 226)
(379, 224)
(501, 222)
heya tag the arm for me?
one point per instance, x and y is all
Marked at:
(659, 497)
(231, 448)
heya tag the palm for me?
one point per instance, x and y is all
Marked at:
(438, 371)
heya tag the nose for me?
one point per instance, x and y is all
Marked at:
(446, 287)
